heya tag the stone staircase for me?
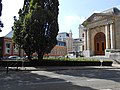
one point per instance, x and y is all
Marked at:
(115, 60)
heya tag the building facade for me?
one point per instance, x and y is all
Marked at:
(77, 45)
(7, 47)
(67, 38)
(102, 32)
(59, 50)
(81, 37)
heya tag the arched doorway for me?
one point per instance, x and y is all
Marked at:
(100, 43)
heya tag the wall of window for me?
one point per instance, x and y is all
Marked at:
(8, 48)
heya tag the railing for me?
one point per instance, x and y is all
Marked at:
(11, 63)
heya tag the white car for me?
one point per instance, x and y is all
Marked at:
(13, 57)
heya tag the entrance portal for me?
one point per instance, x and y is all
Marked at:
(100, 43)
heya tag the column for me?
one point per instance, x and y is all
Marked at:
(112, 36)
(88, 39)
(85, 39)
(107, 31)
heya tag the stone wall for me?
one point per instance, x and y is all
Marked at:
(113, 54)
(93, 32)
(117, 32)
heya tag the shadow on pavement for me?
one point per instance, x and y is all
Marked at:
(104, 73)
(25, 80)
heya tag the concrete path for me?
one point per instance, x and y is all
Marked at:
(61, 78)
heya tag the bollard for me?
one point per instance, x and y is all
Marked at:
(17, 65)
(101, 62)
(7, 68)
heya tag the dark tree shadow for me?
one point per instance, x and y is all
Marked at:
(98, 73)
(25, 80)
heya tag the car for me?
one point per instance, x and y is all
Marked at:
(14, 57)
(1, 58)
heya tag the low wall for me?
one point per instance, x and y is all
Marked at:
(113, 54)
(86, 53)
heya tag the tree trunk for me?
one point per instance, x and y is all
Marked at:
(40, 56)
(29, 54)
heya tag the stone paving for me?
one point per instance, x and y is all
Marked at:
(61, 78)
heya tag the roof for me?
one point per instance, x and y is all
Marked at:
(63, 33)
(106, 13)
(9, 35)
(112, 11)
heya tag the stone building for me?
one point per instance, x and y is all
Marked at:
(102, 33)
(67, 38)
(81, 36)
(59, 50)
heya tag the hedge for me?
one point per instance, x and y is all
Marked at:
(35, 63)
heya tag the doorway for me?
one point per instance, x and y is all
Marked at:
(100, 43)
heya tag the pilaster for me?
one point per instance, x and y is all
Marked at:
(88, 39)
(107, 32)
(85, 39)
(112, 36)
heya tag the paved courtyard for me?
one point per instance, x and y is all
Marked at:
(61, 78)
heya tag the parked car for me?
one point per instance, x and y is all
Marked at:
(14, 57)
(33, 57)
(1, 58)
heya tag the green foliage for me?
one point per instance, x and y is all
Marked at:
(37, 27)
(1, 24)
(77, 59)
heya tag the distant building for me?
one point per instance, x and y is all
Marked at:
(59, 50)
(81, 37)
(77, 45)
(67, 38)
(81, 32)
(62, 36)
(7, 48)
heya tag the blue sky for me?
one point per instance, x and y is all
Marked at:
(71, 13)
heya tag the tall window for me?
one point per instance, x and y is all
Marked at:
(97, 46)
(7, 47)
(83, 47)
(15, 49)
(103, 46)
(83, 35)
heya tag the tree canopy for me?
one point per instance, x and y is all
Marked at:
(37, 26)
(1, 24)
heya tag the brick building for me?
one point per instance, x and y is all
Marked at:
(8, 49)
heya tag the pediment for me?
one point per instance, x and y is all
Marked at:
(96, 17)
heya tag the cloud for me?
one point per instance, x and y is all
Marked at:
(68, 23)
(71, 20)
(10, 9)
(118, 6)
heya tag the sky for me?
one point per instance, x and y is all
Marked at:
(71, 13)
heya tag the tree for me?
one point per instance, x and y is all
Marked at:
(1, 24)
(39, 26)
(44, 25)
(21, 36)
(17, 36)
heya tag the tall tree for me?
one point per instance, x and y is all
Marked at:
(1, 24)
(45, 25)
(21, 27)
(39, 26)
